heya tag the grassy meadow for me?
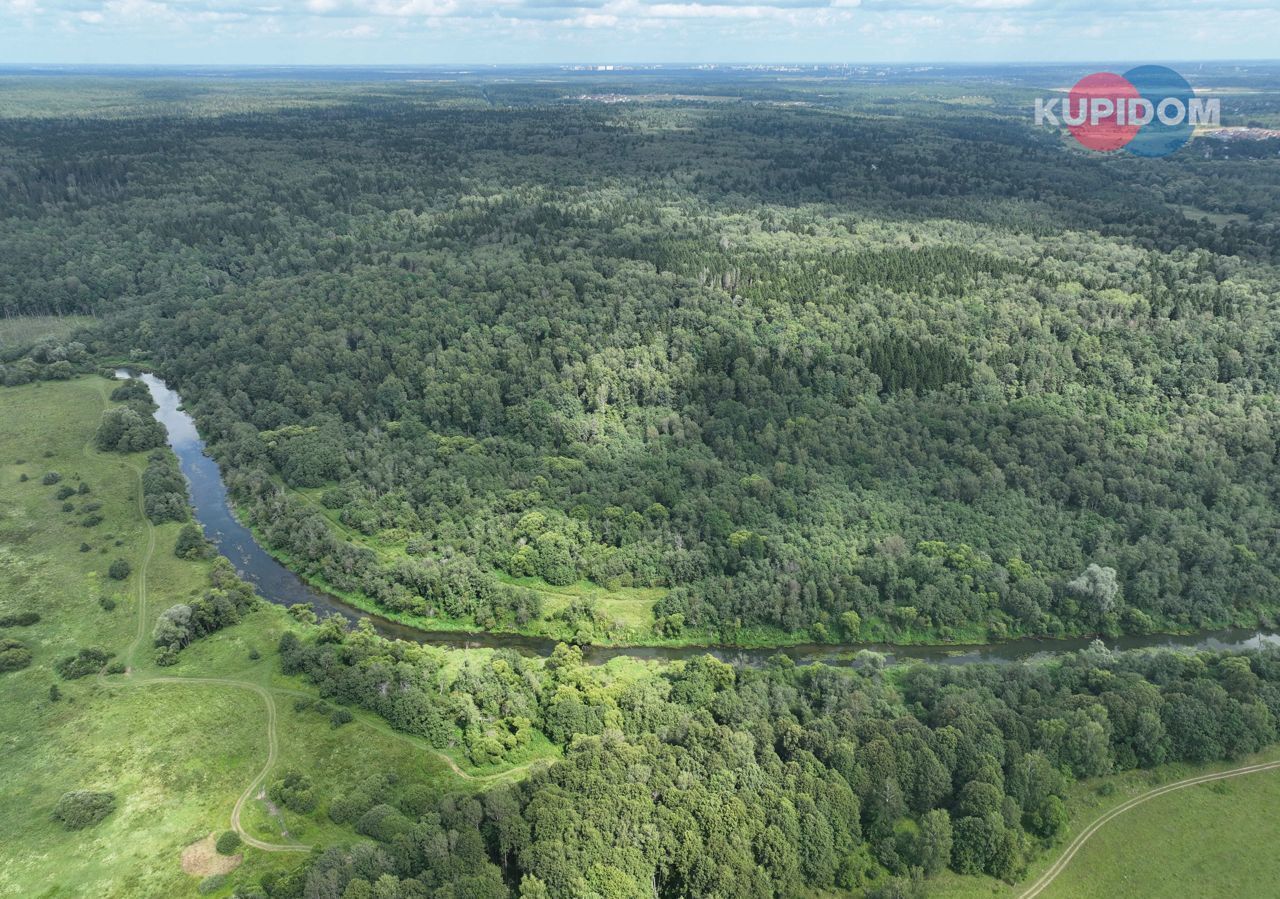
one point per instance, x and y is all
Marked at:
(176, 755)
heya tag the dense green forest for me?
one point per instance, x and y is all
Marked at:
(838, 364)
(701, 779)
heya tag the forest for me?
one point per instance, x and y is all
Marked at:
(806, 369)
(702, 779)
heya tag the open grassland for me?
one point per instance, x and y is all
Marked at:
(1211, 839)
(176, 753)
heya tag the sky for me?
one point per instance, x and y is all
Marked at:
(425, 32)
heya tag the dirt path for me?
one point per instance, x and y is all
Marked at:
(263, 693)
(1075, 845)
(140, 639)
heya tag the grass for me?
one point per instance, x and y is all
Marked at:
(27, 330)
(176, 755)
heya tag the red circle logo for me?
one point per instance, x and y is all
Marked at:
(1097, 111)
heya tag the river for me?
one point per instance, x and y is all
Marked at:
(279, 585)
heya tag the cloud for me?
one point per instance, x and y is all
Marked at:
(515, 30)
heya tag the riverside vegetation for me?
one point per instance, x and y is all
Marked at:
(770, 365)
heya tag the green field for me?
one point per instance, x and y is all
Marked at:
(1207, 840)
(26, 330)
(176, 755)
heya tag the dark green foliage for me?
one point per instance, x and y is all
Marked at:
(211, 884)
(65, 491)
(228, 842)
(294, 791)
(129, 429)
(163, 488)
(13, 655)
(131, 391)
(86, 661)
(51, 478)
(340, 717)
(55, 693)
(19, 619)
(107, 603)
(120, 569)
(83, 808)
(191, 543)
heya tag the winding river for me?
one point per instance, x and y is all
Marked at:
(279, 585)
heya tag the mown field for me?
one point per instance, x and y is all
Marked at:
(176, 755)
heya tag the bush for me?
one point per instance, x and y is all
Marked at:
(13, 655)
(68, 507)
(84, 547)
(340, 717)
(92, 521)
(119, 570)
(85, 662)
(129, 430)
(228, 842)
(51, 478)
(191, 543)
(295, 792)
(211, 884)
(19, 619)
(65, 492)
(108, 604)
(83, 808)
(23, 478)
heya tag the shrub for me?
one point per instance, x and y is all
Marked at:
(84, 547)
(65, 491)
(211, 884)
(191, 543)
(19, 619)
(68, 507)
(294, 791)
(340, 717)
(228, 842)
(82, 489)
(85, 662)
(13, 655)
(254, 655)
(108, 604)
(54, 693)
(24, 477)
(92, 521)
(119, 570)
(51, 478)
(128, 430)
(83, 808)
